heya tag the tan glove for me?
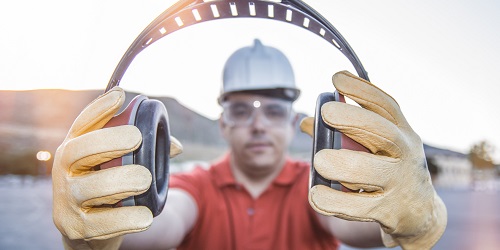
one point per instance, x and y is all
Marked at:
(396, 187)
(81, 194)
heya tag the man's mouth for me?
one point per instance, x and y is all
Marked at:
(258, 146)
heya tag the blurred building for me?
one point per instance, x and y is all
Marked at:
(454, 170)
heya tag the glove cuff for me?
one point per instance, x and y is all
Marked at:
(113, 243)
(427, 239)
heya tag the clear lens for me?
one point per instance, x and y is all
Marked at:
(243, 113)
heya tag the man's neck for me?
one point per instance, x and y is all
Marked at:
(255, 182)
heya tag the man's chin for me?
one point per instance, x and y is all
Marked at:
(263, 161)
(259, 159)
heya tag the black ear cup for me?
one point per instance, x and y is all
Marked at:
(151, 118)
(152, 121)
(326, 137)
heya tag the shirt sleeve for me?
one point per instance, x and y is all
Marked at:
(190, 182)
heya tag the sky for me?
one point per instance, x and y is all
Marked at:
(438, 59)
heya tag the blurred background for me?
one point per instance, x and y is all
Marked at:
(435, 58)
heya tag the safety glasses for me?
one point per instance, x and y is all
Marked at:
(271, 113)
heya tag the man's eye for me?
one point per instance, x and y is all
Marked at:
(240, 111)
(276, 111)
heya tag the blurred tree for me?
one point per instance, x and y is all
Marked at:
(480, 155)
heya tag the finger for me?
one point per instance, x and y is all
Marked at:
(175, 147)
(368, 96)
(99, 146)
(307, 125)
(98, 112)
(108, 186)
(106, 223)
(374, 132)
(358, 170)
(345, 205)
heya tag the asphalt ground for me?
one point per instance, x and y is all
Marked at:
(26, 216)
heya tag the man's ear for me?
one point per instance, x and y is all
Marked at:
(222, 127)
(222, 124)
(295, 119)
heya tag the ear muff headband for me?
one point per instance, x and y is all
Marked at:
(187, 13)
(154, 152)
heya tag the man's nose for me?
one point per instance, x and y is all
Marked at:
(258, 121)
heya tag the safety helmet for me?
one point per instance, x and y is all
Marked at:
(259, 69)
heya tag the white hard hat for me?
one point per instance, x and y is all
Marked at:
(261, 69)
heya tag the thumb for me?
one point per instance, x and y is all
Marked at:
(307, 125)
(175, 147)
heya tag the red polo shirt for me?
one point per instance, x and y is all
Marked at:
(229, 218)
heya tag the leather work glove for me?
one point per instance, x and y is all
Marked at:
(82, 196)
(395, 184)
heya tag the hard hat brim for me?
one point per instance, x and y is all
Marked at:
(288, 94)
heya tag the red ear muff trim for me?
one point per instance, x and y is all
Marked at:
(327, 137)
(151, 118)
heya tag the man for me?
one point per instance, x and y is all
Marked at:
(255, 197)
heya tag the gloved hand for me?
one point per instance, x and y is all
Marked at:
(397, 191)
(82, 196)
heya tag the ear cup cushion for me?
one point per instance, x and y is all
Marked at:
(324, 138)
(152, 121)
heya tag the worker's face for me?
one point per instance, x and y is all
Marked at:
(258, 130)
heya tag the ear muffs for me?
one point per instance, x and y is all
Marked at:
(151, 118)
(154, 151)
(327, 137)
